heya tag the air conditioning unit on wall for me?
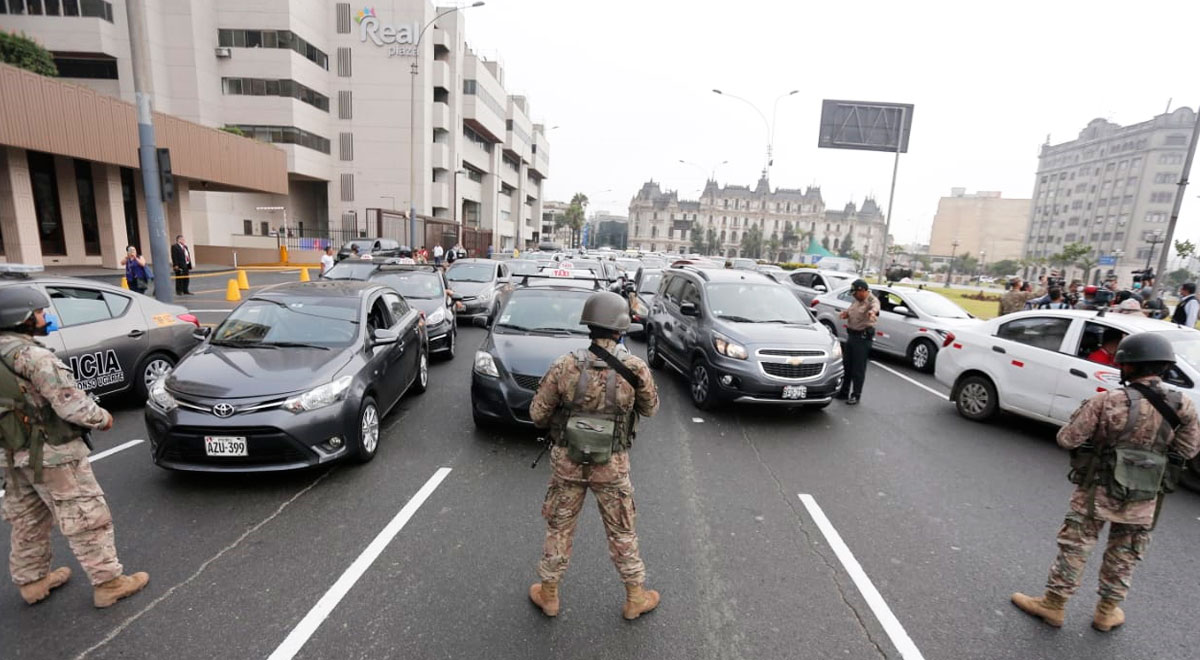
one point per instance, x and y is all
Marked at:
(224, 51)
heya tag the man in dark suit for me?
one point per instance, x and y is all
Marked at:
(181, 261)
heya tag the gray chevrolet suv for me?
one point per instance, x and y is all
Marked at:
(740, 336)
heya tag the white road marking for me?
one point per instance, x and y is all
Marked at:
(92, 458)
(317, 615)
(891, 625)
(940, 395)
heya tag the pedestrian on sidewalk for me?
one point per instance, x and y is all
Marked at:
(327, 259)
(437, 254)
(45, 420)
(181, 261)
(137, 276)
(860, 320)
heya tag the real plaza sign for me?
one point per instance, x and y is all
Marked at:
(400, 40)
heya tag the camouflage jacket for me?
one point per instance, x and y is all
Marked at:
(1014, 301)
(558, 388)
(48, 380)
(1101, 419)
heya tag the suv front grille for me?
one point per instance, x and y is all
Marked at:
(786, 352)
(781, 370)
(527, 382)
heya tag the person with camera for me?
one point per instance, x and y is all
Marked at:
(591, 399)
(1128, 447)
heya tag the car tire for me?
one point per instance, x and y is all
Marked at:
(421, 381)
(702, 386)
(976, 398)
(155, 363)
(922, 355)
(366, 434)
(653, 357)
(832, 330)
(451, 343)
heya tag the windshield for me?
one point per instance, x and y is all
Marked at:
(523, 267)
(650, 282)
(362, 245)
(413, 284)
(755, 303)
(350, 270)
(532, 310)
(654, 262)
(324, 321)
(630, 265)
(935, 304)
(476, 272)
(1186, 345)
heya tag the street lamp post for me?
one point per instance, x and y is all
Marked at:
(982, 262)
(769, 125)
(455, 202)
(412, 125)
(950, 270)
(1155, 239)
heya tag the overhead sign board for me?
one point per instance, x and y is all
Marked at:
(1107, 260)
(866, 126)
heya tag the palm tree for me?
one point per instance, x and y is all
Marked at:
(576, 215)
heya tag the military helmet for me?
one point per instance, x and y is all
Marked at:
(18, 303)
(607, 310)
(1145, 347)
(859, 285)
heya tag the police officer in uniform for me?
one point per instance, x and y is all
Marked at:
(860, 320)
(590, 400)
(1128, 446)
(43, 419)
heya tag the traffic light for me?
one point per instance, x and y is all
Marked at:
(165, 179)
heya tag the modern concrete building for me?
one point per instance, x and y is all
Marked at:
(660, 221)
(986, 226)
(329, 84)
(554, 229)
(70, 188)
(1111, 189)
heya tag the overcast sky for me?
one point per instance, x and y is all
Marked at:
(628, 83)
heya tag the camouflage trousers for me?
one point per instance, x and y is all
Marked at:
(569, 484)
(1127, 545)
(70, 496)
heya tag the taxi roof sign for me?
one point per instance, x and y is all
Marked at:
(20, 270)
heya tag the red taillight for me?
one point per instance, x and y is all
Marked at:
(949, 339)
(815, 302)
(189, 318)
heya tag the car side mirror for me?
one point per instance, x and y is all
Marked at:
(902, 310)
(820, 288)
(479, 321)
(384, 336)
(689, 309)
(202, 333)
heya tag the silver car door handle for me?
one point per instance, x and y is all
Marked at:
(136, 333)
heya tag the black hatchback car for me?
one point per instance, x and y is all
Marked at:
(298, 375)
(740, 336)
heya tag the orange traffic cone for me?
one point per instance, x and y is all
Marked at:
(232, 292)
(304, 275)
(242, 282)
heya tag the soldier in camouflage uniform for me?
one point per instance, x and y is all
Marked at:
(1015, 299)
(607, 316)
(43, 416)
(1105, 420)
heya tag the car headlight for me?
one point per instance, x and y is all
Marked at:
(837, 348)
(487, 294)
(485, 364)
(161, 397)
(319, 397)
(437, 316)
(728, 348)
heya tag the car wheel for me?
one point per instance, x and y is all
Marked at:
(703, 387)
(421, 382)
(451, 341)
(653, 358)
(153, 367)
(832, 330)
(367, 442)
(922, 355)
(976, 398)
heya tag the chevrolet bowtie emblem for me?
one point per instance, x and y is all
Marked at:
(795, 361)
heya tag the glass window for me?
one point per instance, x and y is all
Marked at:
(239, 38)
(690, 294)
(44, 182)
(253, 39)
(323, 321)
(379, 317)
(248, 227)
(35, 7)
(52, 7)
(397, 305)
(272, 87)
(117, 303)
(77, 306)
(1037, 331)
(270, 39)
(87, 207)
(224, 37)
(755, 303)
(802, 279)
(472, 272)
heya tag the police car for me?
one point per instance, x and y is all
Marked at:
(113, 339)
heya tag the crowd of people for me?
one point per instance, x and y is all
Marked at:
(1141, 298)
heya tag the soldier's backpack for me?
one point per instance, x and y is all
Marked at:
(22, 424)
(591, 437)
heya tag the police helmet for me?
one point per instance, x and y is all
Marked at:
(859, 285)
(1145, 347)
(18, 303)
(607, 310)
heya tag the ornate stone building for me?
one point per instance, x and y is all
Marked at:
(787, 220)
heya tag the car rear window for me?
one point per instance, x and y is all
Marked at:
(412, 284)
(543, 310)
(350, 270)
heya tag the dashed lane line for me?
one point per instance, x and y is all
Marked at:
(92, 458)
(940, 395)
(316, 616)
(891, 625)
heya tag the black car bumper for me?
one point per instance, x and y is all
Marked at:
(276, 439)
(746, 381)
(501, 400)
(439, 336)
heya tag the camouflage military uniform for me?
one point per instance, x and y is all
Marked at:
(1015, 299)
(1103, 417)
(68, 493)
(610, 482)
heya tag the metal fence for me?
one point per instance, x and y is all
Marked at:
(316, 239)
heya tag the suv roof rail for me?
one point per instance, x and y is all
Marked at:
(593, 279)
(692, 269)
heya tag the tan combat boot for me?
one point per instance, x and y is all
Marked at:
(39, 589)
(119, 587)
(1051, 608)
(545, 596)
(1108, 615)
(638, 601)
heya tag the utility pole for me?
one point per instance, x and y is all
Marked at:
(950, 270)
(1160, 273)
(143, 87)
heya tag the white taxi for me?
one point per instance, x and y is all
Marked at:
(1043, 364)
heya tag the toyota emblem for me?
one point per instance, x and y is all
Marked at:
(223, 410)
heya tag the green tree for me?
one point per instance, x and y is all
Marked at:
(825, 242)
(713, 243)
(965, 264)
(698, 244)
(773, 244)
(576, 215)
(789, 234)
(847, 246)
(236, 130)
(752, 243)
(1003, 267)
(1177, 278)
(25, 53)
(1185, 249)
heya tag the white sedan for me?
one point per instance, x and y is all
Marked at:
(1043, 364)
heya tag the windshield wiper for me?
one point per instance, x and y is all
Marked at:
(294, 344)
(241, 344)
(547, 329)
(787, 321)
(736, 319)
(510, 326)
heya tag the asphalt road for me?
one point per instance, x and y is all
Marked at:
(945, 517)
